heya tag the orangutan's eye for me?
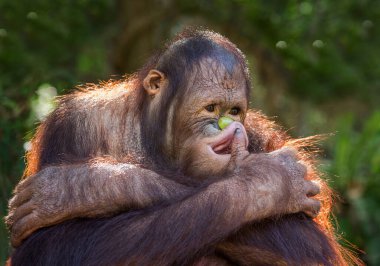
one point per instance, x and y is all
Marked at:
(235, 111)
(210, 108)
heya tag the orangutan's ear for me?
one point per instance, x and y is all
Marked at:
(154, 82)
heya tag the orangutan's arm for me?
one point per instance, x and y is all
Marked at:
(96, 189)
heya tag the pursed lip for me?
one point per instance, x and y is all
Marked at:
(221, 143)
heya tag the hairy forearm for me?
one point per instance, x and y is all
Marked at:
(103, 188)
(191, 224)
(182, 229)
(94, 189)
(161, 235)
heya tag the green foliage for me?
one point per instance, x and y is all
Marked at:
(356, 166)
(311, 61)
(55, 42)
(327, 46)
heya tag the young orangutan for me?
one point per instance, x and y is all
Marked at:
(193, 194)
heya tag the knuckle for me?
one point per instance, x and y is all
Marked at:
(12, 202)
(9, 218)
(313, 188)
(9, 223)
(302, 165)
(314, 208)
(301, 168)
(289, 152)
(306, 187)
(285, 155)
(16, 231)
(317, 206)
(24, 183)
(317, 187)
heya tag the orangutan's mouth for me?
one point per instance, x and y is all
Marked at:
(222, 143)
(224, 146)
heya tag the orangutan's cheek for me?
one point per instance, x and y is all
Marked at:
(203, 163)
(211, 130)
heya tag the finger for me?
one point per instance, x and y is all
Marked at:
(301, 169)
(238, 146)
(24, 184)
(20, 198)
(18, 213)
(312, 188)
(23, 228)
(312, 207)
(286, 154)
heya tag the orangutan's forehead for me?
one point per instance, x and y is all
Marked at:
(220, 72)
(211, 82)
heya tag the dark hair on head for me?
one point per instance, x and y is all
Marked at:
(71, 134)
(177, 60)
(187, 48)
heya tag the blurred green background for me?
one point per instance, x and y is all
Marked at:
(315, 68)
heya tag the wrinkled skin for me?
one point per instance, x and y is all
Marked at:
(104, 189)
(148, 154)
(95, 189)
(211, 85)
(266, 193)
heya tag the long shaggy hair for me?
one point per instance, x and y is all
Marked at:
(80, 128)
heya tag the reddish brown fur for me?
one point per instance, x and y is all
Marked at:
(273, 138)
(264, 136)
(270, 138)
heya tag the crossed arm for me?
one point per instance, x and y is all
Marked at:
(259, 186)
(161, 235)
(96, 189)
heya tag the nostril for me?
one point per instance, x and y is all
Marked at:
(215, 125)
